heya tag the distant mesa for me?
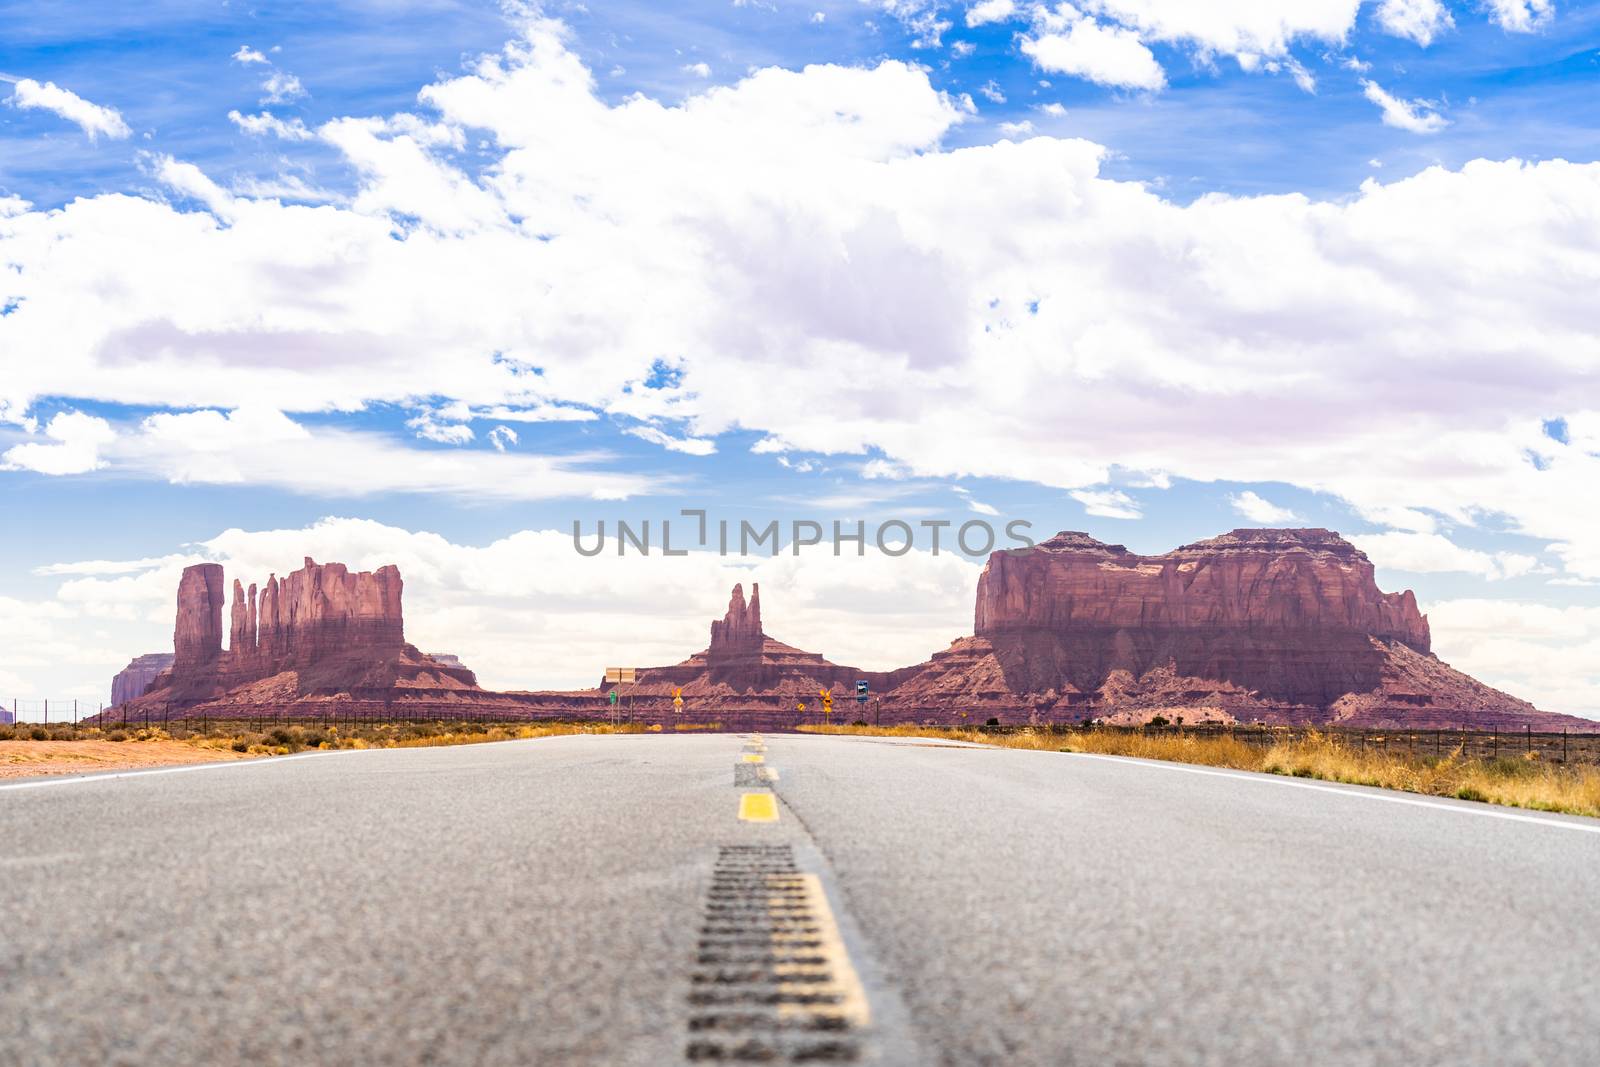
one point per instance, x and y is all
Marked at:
(319, 633)
(138, 675)
(1274, 626)
(1257, 625)
(743, 670)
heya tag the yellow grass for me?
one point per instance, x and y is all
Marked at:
(1513, 781)
(90, 749)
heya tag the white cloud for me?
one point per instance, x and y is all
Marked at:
(92, 118)
(1107, 503)
(1521, 16)
(1053, 109)
(281, 87)
(265, 123)
(884, 469)
(819, 17)
(1417, 116)
(1418, 20)
(799, 233)
(990, 91)
(1432, 553)
(701, 69)
(1240, 28)
(76, 442)
(1023, 128)
(429, 428)
(1257, 509)
(248, 55)
(693, 446)
(986, 11)
(260, 446)
(1549, 655)
(501, 437)
(919, 17)
(1106, 55)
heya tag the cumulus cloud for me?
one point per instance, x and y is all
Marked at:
(248, 55)
(267, 123)
(1430, 553)
(1257, 509)
(1417, 116)
(701, 69)
(73, 446)
(1246, 29)
(987, 11)
(1543, 653)
(281, 87)
(693, 446)
(92, 119)
(502, 437)
(1107, 55)
(1107, 503)
(1419, 20)
(261, 446)
(796, 234)
(1521, 16)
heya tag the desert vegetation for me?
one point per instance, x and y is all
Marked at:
(32, 748)
(1518, 779)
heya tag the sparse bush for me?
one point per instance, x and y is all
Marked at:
(117, 735)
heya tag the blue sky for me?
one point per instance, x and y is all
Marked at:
(1145, 269)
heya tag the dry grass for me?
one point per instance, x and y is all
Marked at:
(1513, 781)
(62, 750)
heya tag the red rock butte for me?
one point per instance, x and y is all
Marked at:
(1280, 626)
(1275, 626)
(322, 631)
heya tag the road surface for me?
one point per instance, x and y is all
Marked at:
(655, 899)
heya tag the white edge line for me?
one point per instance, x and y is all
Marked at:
(78, 779)
(1358, 792)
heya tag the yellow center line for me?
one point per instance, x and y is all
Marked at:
(758, 807)
(750, 758)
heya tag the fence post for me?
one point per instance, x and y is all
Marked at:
(47, 711)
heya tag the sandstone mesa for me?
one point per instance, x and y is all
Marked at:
(1256, 625)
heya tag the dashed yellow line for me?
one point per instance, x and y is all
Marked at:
(758, 807)
(752, 758)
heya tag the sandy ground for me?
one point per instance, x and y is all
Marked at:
(30, 759)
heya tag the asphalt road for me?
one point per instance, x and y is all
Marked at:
(588, 900)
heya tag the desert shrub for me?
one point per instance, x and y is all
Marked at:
(117, 735)
(39, 733)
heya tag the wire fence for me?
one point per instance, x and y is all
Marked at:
(180, 719)
(48, 711)
(1494, 743)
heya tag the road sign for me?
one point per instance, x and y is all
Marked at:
(622, 675)
(861, 692)
(827, 698)
(613, 696)
(677, 699)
